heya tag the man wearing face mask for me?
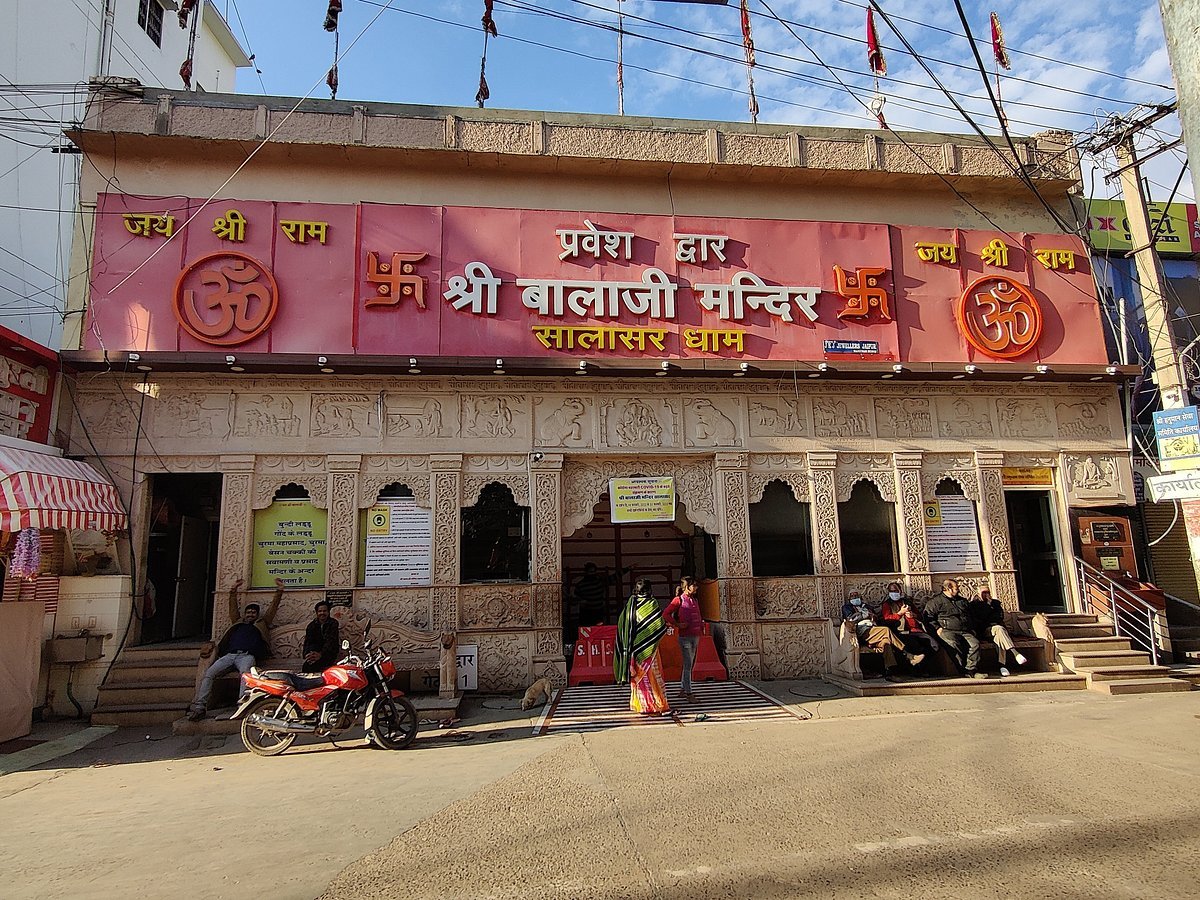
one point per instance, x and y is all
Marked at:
(950, 614)
(900, 613)
(855, 612)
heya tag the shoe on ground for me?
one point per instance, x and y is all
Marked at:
(888, 676)
(1003, 672)
(915, 659)
(980, 675)
(691, 698)
(195, 715)
(1021, 660)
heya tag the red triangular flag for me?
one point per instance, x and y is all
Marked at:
(489, 24)
(874, 52)
(998, 48)
(747, 39)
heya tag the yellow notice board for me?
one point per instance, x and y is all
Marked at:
(289, 543)
(1028, 476)
(642, 499)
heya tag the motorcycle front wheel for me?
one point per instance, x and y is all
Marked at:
(394, 724)
(268, 743)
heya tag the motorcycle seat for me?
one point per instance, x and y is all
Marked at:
(301, 681)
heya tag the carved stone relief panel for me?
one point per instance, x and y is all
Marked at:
(564, 421)
(712, 422)
(997, 549)
(234, 562)
(495, 606)
(833, 595)
(736, 545)
(787, 598)
(343, 530)
(547, 550)
(496, 462)
(554, 670)
(584, 483)
(794, 650)
(964, 417)
(912, 519)
(445, 608)
(778, 417)
(639, 422)
(270, 415)
(474, 483)
(744, 665)
(842, 417)
(492, 415)
(959, 468)
(797, 482)
(1028, 417)
(1097, 476)
(267, 483)
(738, 599)
(903, 417)
(371, 485)
(1083, 419)
(743, 636)
(884, 481)
(109, 416)
(505, 661)
(407, 606)
(191, 414)
(549, 643)
(420, 416)
(547, 605)
(825, 524)
(344, 415)
(446, 519)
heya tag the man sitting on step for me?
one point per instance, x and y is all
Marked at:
(861, 617)
(244, 642)
(988, 616)
(950, 616)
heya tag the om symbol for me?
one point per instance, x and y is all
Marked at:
(999, 317)
(243, 299)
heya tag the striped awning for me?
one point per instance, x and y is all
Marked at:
(42, 491)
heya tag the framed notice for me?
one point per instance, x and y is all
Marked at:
(642, 499)
(953, 535)
(289, 543)
(399, 544)
(1178, 433)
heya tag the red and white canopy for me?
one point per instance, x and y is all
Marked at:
(42, 491)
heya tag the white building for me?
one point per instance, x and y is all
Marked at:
(49, 51)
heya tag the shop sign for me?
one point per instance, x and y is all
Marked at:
(444, 281)
(1174, 486)
(1177, 432)
(1175, 224)
(952, 532)
(468, 667)
(1027, 476)
(289, 543)
(642, 499)
(340, 597)
(399, 544)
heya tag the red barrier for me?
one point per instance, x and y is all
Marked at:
(594, 655)
(708, 665)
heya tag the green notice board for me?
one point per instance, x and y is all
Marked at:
(289, 543)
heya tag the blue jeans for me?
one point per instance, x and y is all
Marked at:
(688, 644)
(241, 661)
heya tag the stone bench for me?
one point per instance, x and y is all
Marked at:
(849, 655)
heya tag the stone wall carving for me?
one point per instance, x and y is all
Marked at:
(547, 605)
(505, 661)
(1095, 477)
(737, 595)
(495, 606)
(109, 416)
(547, 551)
(1085, 418)
(903, 417)
(712, 423)
(344, 415)
(563, 421)
(825, 523)
(883, 481)
(842, 417)
(744, 666)
(549, 643)
(192, 414)
(787, 598)
(639, 422)
(269, 415)
(585, 481)
(420, 417)
(474, 483)
(797, 482)
(267, 484)
(446, 520)
(736, 543)
(1024, 418)
(964, 417)
(794, 649)
(340, 571)
(959, 468)
(491, 415)
(445, 607)
(912, 520)
(234, 562)
(371, 485)
(778, 417)
(998, 551)
(407, 606)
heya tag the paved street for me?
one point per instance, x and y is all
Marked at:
(1071, 795)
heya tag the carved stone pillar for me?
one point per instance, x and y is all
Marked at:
(914, 544)
(342, 540)
(548, 660)
(139, 537)
(237, 530)
(993, 525)
(825, 530)
(735, 567)
(446, 469)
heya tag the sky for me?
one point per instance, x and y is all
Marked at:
(1074, 65)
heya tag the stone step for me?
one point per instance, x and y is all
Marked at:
(1071, 619)
(151, 692)
(1087, 644)
(1141, 686)
(1099, 659)
(161, 652)
(1124, 673)
(139, 714)
(1189, 673)
(1067, 632)
(1184, 644)
(1033, 681)
(138, 673)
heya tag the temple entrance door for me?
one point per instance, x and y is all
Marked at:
(1036, 550)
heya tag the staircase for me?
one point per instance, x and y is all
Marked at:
(149, 685)
(1086, 644)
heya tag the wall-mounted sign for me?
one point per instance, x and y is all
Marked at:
(28, 372)
(491, 282)
(289, 543)
(642, 499)
(852, 348)
(1176, 225)
(1177, 432)
(952, 532)
(340, 597)
(1028, 476)
(468, 667)
(1174, 486)
(399, 544)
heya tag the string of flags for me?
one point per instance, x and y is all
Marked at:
(489, 30)
(748, 47)
(331, 24)
(878, 66)
(186, 7)
(1000, 53)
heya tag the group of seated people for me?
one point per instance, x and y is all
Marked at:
(902, 629)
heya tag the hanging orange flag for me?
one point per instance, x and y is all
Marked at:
(874, 51)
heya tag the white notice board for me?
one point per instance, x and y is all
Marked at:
(399, 544)
(953, 534)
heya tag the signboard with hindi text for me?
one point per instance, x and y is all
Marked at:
(1028, 476)
(1177, 432)
(399, 544)
(1174, 486)
(289, 543)
(1174, 224)
(642, 499)
(952, 532)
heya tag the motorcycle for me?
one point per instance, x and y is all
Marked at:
(279, 705)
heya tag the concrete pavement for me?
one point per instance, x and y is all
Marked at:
(1019, 795)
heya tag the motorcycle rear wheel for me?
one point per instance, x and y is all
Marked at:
(268, 743)
(394, 725)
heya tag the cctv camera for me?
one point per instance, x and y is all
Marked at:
(535, 456)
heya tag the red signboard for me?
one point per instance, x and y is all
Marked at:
(425, 281)
(28, 372)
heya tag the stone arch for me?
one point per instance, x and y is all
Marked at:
(585, 481)
(370, 487)
(266, 487)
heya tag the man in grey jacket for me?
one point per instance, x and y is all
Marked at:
(948, 613)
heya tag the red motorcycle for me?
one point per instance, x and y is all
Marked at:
(280, 705)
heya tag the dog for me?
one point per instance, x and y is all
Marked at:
(533, 695)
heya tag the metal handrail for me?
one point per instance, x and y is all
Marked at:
(1132, 617)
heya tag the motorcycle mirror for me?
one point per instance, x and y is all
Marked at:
(345, 645)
